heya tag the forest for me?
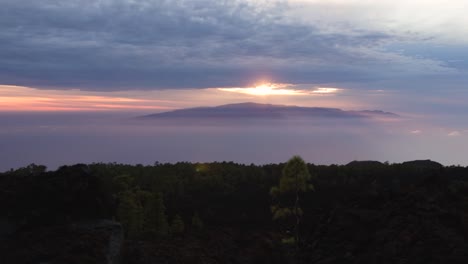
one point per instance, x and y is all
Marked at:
(223, 212)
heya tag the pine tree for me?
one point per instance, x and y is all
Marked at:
(129, 213)
(177, 226)
(197, 223)
(156, 218)
(294, 181)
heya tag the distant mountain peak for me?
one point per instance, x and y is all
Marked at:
(247, 104)
(266, 111)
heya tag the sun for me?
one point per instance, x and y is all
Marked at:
(262, 89)
(265, 89)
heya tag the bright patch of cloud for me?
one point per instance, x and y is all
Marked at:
(416, 132)
(326, 90)
(281, 89)
(454, 134)
(266, 89)
(439, 20)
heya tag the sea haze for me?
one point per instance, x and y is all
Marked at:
(56, 139)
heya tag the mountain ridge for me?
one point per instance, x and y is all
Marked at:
(270, 111)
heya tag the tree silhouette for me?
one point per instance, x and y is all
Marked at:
(286, 197)
(197, 223)
(129, 213)
(156, 215)
(177, 226)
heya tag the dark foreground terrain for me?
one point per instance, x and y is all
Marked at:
(363, 212)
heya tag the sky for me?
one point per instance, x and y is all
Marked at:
(103, 58)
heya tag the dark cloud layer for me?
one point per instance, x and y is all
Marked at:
(158, 44)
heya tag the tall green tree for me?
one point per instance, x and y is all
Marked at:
(129, 213)
(177, 226)
(197, 223)
(286, 197)
(156, 218)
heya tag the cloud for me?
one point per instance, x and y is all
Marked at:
(158, 44)
(266, 90)
(416, 132)
(417, 19)
(454, 134)
(26, 99)
(19, 99)
(281, 89)
(326, 90)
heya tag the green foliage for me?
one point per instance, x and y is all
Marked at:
(274, 191)
(234, 197)
(177, 226)
(130, 213)
(143, 198)
(142, 212)
(294, 180)
(156, 218)
(280, 212)
(197, 223)
(288, 240)
(295, 176)
(31, 169)
(458, 187)
(123, 182)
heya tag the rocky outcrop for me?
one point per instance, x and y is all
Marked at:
(114, 233)
(97, 241)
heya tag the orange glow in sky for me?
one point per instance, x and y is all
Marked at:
(20, 98)
(17, 98)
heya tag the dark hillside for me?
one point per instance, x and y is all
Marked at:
(362, 212)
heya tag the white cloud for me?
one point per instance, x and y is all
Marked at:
(326, 90)
(454, 134)
(149, 45)
(442, 20)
